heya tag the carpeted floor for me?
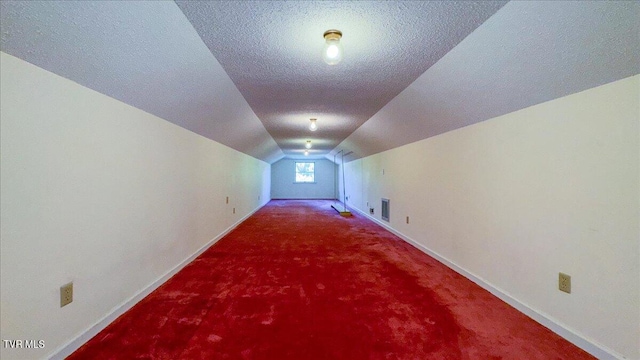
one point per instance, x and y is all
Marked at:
(297, 281)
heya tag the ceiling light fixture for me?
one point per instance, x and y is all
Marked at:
(308, 144)
(306, 153)
(313, 126)
(333, 51)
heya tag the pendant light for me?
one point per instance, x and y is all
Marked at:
(308, 144)
(332, 53)
(313, 126)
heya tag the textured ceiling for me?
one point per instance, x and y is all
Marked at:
(143, 53)
(527, 53)
(250, 74)
(272, 52)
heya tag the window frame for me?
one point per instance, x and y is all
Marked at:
(295, 172)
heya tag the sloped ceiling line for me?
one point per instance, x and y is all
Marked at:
(249, 74)
(527, 53)
(145, 54)
(271, 51)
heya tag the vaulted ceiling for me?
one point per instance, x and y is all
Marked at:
(272, 52)
(250, 74)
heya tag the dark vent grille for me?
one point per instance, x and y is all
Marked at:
(385, 209)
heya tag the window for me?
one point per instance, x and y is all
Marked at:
(305, 172)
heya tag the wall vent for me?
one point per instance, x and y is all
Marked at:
(385, 209)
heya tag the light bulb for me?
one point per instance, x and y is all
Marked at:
(313, 126)
(332, 53)
(308, 144)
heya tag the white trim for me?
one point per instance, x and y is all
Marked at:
(75, 343)
(593, 348)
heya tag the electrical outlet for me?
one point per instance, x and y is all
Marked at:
(66, 294)
(371, 211)
(564, 283)
(407, 219)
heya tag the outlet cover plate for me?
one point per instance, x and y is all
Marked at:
(564, 283)
(66, 294)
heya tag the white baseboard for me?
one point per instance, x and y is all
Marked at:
(74, 344)
(593, 348)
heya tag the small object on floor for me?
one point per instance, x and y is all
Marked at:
(345, 212)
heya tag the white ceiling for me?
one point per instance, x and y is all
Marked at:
(250, 74)
(272, 52)
(529, 52)
(143, 53)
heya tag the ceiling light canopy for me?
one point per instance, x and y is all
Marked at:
(332, 53)
(308, 144)
(313, 126)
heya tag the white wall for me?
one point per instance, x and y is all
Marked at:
(105, 195)
(283, 184)
(516, 199)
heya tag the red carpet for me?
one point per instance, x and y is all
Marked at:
(297, 281)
